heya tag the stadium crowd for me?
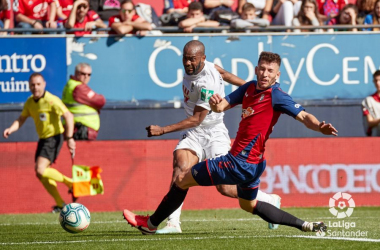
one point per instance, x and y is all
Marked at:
(121, 17)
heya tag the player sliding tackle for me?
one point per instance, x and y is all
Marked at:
(204, 134)
(262, 104)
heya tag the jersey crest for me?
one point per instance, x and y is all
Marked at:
(247, 112)
(43, 117)
(206, 94)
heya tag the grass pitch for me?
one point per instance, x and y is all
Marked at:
(206, 229)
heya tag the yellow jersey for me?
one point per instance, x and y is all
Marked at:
(46, 113)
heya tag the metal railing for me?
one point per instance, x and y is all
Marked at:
(221, 29)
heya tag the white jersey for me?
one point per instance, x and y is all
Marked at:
(210, 139)
(373, 107)
(197, 90)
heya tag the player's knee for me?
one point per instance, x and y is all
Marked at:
(39, 171)
(247, 205)
(179, 181)
(180, 177)
(179, 167)
(183, 180)
(38, 175)
(227, 190)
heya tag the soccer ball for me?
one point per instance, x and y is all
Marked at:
(74, 218)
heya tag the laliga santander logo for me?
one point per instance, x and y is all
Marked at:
(341, 201)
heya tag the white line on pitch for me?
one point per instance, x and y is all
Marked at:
(185, 220)
(191, 238)
(123, 221)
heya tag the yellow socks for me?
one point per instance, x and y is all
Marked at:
(51, 186)
(55, 175)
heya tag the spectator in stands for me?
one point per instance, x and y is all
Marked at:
(365, 7)
(180, 6)
(5, 16)
(371, 109)
(330, 8)
(34, 14)
(308, 16)
(284, 11)
(174, 11)
(374, 18)
(263, 7)
(63, 9)
(46, 110)
(82, 18)
(84, 103)
(128, 22)
(219, 10)
(105, 8)
(196, 18)
(347, 16)
(248, 18)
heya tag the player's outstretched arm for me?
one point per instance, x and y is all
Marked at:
(311, 122)
(218, 104)
(229, 77)
(15, 126)
(195, 120)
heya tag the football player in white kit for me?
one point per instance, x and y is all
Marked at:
(205, 135)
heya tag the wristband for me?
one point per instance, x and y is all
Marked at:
(68, 138)
(34, 23)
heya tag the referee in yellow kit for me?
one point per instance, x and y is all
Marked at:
(46, 110)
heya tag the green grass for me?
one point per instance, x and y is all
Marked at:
(207, 229)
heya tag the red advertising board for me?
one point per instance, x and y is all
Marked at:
(136, 174)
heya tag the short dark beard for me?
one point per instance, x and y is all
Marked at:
(197, 69)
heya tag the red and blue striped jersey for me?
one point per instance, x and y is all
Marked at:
(260, 112)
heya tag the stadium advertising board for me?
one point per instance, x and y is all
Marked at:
(313, 67)
(20, 57)
(304, 172)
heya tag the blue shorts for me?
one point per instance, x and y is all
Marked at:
(230, 170)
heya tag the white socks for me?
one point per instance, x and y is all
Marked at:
(175, 216)
(261, 196)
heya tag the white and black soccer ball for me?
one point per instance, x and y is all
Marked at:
(74, 218)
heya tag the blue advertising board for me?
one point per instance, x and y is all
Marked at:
(321, 66)
(314, 66)
(20, 57)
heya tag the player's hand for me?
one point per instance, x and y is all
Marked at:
(215, 99)
(327, 129)
(71, 145)
(154, 130)
(6, 133)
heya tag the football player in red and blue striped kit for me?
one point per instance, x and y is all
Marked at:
(263, 102)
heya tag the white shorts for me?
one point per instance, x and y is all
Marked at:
(207, 142)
